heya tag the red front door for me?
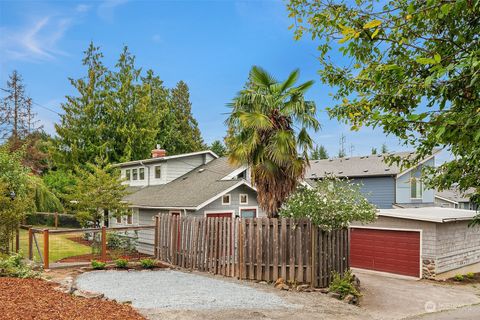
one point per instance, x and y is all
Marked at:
(219, 215)
(386, 250)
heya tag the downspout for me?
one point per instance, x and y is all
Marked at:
(148, 172)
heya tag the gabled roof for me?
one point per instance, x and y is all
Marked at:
(190, 191)
(351, 167)
(454, 195)
(162, 159)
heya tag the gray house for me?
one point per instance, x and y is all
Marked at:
(198, 183)
(453, 198)
(382, 184)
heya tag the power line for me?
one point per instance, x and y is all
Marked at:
(37, 104)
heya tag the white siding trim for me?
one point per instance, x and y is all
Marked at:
(445, 199)
(234, 173)
(400, 229)
(240, 183)
(418, 164)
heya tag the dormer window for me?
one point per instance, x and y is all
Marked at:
(158, 172)
(142, 173)
(135, 174)
(127, 174)
(226, 199)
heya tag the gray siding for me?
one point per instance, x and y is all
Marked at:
(458, 245)
(378, 190)
(235, 206)
(403, 193)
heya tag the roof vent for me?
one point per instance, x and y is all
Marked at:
(201, 170)
(347, 158)
(316, 161)
(362, 157)
(330, 160)
(379, 155)
(366, 170)
(340, 172)
(387, 169)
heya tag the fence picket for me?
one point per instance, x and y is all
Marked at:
(256, 249)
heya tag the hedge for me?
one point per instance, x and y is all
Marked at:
(48, 219)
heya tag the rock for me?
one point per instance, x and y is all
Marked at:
(263, 282)
(322, 290)
(127, 302)
(282, 286)
(279, 281)
(304, 288)
(88, 294)
(351, 299)
(334, 295)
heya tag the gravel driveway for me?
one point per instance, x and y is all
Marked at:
(171, 290)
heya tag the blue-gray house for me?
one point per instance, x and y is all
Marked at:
(384, 185)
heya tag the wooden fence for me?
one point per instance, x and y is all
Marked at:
(256, 249)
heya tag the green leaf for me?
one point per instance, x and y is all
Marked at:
(372, 24)
(437, 57)
(440, 132)
(425, 60)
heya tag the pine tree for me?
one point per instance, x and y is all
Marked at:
(318, 153)
(218, 147)
(186, 125)
(374, 150)
(17, 119)
(384, 148)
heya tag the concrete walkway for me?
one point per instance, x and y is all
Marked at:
(388, 297)
(464, 313)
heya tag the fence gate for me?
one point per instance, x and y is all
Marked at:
(256, 249)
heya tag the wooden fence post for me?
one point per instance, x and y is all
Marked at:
(313, 232)
(56, 220)
(104, 244)
(30, 244)
(17, 239)
(155, 242)
(45, 249)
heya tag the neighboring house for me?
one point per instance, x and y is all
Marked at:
(384, 185)
(196, 183)
(452, 198)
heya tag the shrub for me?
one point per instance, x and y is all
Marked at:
(147, 263)
(14, 266)
(121, 263)
(333, 204)
(458, 277)
(343, 285)
(98, 265)
(470, 275)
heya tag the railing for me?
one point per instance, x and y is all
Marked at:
(259, 249)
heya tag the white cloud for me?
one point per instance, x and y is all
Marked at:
(106, 9)
(37, 41)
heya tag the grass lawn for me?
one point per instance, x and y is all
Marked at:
(60, 246)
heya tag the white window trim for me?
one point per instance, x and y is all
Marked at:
(240, 198)
(421, 188)
(229, 199)
(155, 172)
(248, 208)
(207, 212)
(139, 176)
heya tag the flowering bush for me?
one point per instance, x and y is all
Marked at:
(332, 204)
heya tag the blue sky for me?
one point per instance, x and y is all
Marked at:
(211, 45)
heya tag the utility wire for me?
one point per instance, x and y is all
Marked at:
(37, 104)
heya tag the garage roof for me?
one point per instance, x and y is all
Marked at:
(431, 214)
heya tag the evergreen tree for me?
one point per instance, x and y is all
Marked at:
(374, 150)
(318, 153)
(384, 148)
(185, 124)
(218, 147)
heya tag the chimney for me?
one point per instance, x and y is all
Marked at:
(158, 153)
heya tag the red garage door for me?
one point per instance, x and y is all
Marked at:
(386, 250)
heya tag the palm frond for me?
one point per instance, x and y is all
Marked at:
(261, 77)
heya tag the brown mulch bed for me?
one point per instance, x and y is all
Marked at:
(36, 299)
(466, 280)
(110, 257)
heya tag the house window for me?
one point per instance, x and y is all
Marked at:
(158, 172)
(130, 219)
(127, 174)
(243, 198)
(248, 213)
(119, 219)
(142, 173)
(135, 174)
(415, 188)
(226, 199)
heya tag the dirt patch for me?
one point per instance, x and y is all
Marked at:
(37, 299)
(472, 278)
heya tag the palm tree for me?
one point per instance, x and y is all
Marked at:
(268, 132)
